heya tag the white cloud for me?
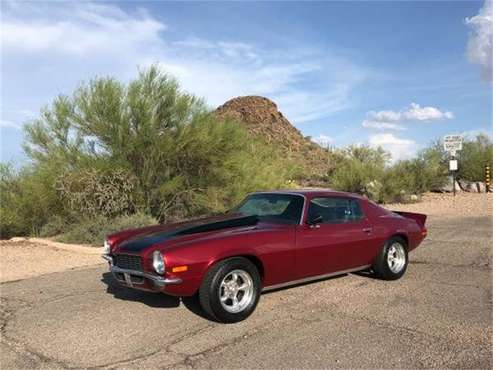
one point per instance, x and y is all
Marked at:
(417, 113)
(398, 148)
(385, 116)
(51, 48)
(480, 44)
(323, 140)
(393, 120)
(378, 125)
(78, 29)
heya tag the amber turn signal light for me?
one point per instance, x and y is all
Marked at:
(179, 269)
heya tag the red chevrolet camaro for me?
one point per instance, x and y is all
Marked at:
(271, 240)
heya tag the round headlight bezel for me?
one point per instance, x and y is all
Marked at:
(158, 262)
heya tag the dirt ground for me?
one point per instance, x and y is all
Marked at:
(23, 258)
(445, 204)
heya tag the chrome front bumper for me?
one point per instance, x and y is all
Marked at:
(158, 281)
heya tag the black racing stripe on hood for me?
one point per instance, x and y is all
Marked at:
(138, 244)
(218, 225)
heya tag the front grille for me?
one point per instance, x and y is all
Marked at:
(126, 261)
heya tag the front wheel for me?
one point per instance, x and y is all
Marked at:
(391, 262)
(230, 290)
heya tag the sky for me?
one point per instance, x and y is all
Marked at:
(392, 74)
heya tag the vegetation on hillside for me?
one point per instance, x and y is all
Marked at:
(365, 170)
(113, 156)
(112, 150)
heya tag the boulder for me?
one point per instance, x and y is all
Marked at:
(481, 187)
(448, 187)
(468, 186)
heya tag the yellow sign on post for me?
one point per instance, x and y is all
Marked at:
(487, 178)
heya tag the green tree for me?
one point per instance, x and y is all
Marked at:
(358, 169)
(476, 153)
(183, 160)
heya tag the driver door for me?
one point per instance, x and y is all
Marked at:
(337, 242)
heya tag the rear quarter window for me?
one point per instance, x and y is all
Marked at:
(335, 210)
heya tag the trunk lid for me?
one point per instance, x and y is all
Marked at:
(420, 218)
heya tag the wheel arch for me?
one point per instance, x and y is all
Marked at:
(255, 260)
(402, 236)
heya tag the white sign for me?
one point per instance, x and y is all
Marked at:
(453, 166)
(452, 143)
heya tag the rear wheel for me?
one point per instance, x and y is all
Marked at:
(391, 262)
(230, 290)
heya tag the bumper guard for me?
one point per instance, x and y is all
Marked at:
(159, 281)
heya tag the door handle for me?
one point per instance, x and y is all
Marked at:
(368, 230)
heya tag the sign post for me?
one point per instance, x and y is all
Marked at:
(453, 166)
(487, 177)
(452, 144)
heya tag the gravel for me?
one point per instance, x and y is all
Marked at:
(23, 258)
(445, 204)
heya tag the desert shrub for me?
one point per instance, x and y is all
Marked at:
(476, 153)
(428, 171)
(93, 230)
(148, 147)
(358, 169)
(96, 192)
(56, 225)
(27, 199)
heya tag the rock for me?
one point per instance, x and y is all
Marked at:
(262, 118)
(468, 186)
(448, 188)
(413, 198)
(457, 187)
(481, 187)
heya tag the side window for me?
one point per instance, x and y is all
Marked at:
(335, 210)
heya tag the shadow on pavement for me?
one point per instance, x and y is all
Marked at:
(296, 285)
(151, 299)
(366, 273)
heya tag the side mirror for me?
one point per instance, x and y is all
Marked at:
(315, 220)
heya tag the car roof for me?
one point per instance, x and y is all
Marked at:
(313, 192)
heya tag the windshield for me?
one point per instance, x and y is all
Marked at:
(283, 208)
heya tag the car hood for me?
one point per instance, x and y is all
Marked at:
(136, 240)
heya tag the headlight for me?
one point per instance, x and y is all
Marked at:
(158, 262)
(106, 247)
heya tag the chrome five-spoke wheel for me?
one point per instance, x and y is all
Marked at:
(391, 262)
(236, 291)
(230, 290)
(396, 257)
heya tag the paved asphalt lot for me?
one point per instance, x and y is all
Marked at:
(438, 315)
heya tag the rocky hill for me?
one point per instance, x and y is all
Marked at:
(262, 118)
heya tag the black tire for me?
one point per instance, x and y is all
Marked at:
(387, 270)
(210, 289)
